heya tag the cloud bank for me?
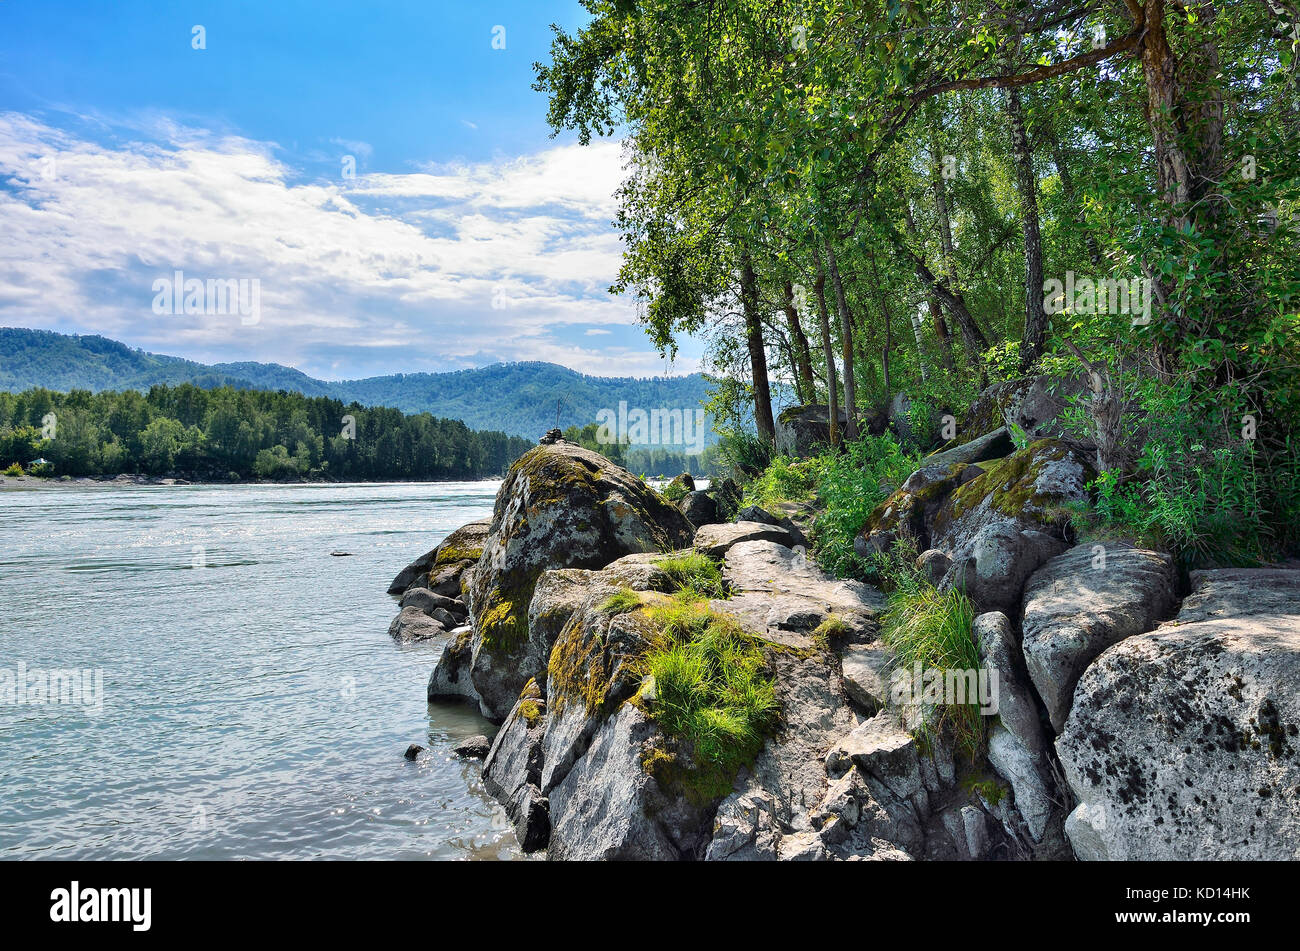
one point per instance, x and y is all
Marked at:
(444, 267)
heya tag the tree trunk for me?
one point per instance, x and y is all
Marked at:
(846, 346)
(887, 317)
(971, 335)
(828, 353)
(757, 352)
(1035, 335)
(800, 343)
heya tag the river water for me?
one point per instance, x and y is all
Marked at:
(252, 704)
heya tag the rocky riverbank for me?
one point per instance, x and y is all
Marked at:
(1138, 714)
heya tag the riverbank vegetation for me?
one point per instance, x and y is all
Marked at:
(229, 434)
(860, 200)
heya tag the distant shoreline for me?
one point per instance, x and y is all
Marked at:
(135, 479)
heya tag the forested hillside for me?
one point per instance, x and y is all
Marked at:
(523, 399)
(867, 199)
(226, 433)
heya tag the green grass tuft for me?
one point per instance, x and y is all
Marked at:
(621, 601)
(694, 576)
(712, 690)
(924, 625)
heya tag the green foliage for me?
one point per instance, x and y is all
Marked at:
(14, 470)
(742, 454)
(712, 690)
(588, 438)
(1198, 488)
(621, 601)
(519, 399)
(695, 576)
(850, 485)
(214, 433)
(784, 480)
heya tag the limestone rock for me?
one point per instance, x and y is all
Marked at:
(700, 508)
(465, 544)
(560, 506)
(997, 521)
(412, 624)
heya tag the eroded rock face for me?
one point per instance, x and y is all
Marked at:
(1017, 747)
(1082, 602)
(609, 806)
(997, 521)
(781, 595)
(774, 800)
(1182, 742)
(512, 771)
(560, 506)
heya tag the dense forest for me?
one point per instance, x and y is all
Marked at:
(228, 433)
(862, 198)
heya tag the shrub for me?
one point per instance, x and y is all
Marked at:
(784, 480)
(15, 469)
(850, 485)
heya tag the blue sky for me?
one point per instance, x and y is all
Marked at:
(383, 170)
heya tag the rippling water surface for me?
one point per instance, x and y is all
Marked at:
(253, 703)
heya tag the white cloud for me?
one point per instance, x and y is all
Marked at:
(447, 266)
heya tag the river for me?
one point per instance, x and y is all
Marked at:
(251, 703)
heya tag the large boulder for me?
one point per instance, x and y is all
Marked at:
(1082, 602)
(460, 548)
(699, 507)
(800, 430)
(1182, 742)
(1033, 404)
(560, 506)
(997, 521)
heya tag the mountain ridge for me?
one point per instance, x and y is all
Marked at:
(523, 399)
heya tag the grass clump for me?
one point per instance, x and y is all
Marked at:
(923, 625)
(830, 630)
(621, 601)
(695, 576)
(712, 692)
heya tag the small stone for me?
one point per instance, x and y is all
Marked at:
(474, 747)
(413, 751)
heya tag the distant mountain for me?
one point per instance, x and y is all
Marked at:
(516, 398)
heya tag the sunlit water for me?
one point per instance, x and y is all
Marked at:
(253, 703)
